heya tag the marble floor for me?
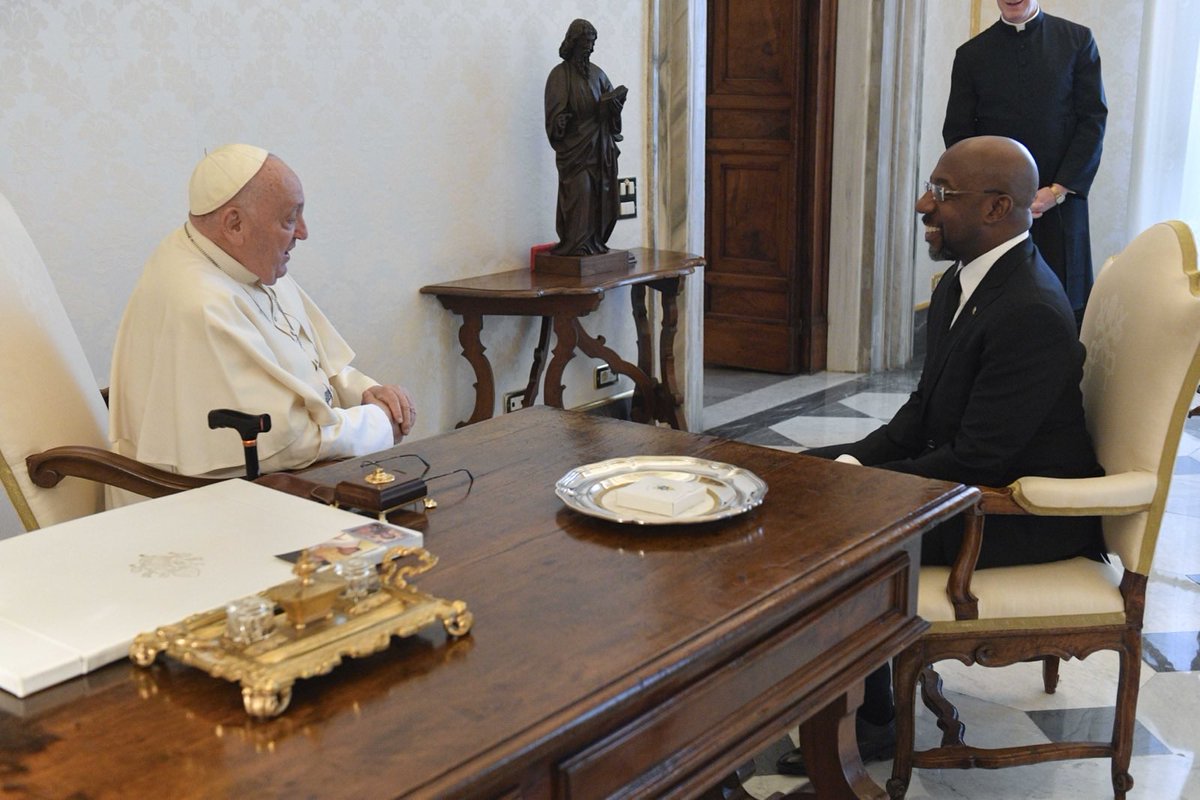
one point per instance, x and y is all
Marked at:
(797, 412)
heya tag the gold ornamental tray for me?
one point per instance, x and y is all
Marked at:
(311, 635)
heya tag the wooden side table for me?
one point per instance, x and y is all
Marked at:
(561, 301)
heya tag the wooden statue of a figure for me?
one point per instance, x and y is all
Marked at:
(583, 122)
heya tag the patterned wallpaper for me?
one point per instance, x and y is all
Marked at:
(415, 126)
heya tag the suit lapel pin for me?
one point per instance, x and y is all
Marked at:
(973, 310)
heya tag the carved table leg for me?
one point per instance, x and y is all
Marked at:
(564, 350)
(831, 752)
(472, 350)
(668, 405)
(643, 404)
(596, 348)
(539, 363)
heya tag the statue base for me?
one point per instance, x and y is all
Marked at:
(582, 266)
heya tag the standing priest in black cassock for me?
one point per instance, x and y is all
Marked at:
(1036, 78)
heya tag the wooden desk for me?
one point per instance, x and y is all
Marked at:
(562, 300)
(605, 660)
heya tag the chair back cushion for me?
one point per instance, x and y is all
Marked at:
(1142, 333)
(48, 393)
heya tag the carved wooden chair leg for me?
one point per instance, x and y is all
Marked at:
(1050, 673)
(905, 670)
(945, 711)
(1125, 715)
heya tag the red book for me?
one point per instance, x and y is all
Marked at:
(539, 248)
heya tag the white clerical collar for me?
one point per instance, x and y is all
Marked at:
(214, 255)
(972, 274)
(1020, 26)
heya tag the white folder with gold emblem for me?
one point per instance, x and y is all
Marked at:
(74, 595)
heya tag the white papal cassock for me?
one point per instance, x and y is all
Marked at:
(200, 334)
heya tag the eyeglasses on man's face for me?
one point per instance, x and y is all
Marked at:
(940, 193)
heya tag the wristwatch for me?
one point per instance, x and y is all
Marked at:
(1058, 196)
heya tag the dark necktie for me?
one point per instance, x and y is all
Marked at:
(953, 295)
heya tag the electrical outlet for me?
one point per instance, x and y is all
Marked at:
(605, 376)
(512, 401)
(627, 198)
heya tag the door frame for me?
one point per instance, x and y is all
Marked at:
(867, 191)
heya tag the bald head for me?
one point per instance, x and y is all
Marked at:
(999, 163)
(989, 184)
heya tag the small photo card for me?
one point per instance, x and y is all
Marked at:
(387, 534)
(371, 539)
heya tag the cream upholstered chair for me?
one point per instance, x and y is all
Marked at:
(50, 399)
(1142, 333)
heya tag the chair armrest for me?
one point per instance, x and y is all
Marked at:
(1109, 495)
(999, 500)
(49, 467)
(992, 500)
(958, 585)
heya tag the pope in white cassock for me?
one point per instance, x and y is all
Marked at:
(216, 322)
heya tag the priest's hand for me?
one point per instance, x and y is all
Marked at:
(1047, 198)
(397, 403)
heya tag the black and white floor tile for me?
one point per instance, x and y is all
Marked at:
(1008, 705)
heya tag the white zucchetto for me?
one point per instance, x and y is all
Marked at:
(221, 174)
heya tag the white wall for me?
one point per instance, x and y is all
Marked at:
(1117, 26)
(415, 126)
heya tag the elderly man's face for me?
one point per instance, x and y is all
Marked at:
(275, 224)
(1017, 10)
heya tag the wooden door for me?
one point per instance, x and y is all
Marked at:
(768, 144)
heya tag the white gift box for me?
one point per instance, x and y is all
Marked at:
(664, 496)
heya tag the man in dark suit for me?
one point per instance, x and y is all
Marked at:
(1036, 78)
(998, 397)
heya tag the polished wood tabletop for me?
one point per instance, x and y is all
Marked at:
(605, 659)
(648, 265)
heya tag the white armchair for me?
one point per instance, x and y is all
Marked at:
(1142, 333)
(53, 421)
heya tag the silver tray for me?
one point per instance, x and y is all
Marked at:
(730, 490)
